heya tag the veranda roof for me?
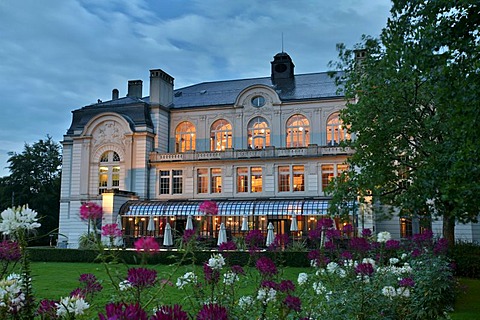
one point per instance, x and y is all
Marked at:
(227, 207)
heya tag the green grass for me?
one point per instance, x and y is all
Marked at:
(467, 306)
(52, 280)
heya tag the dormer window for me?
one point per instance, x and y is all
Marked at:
(258, 101)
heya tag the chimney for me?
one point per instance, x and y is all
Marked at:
(134, 89)
(161, 88)
(360, 56)
(115, 94)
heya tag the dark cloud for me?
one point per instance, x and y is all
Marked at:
(56, 56)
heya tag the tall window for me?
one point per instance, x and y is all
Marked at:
(202, 180)
(258, 133)
(171, 181)
(109, 171)
(220, 135)
(329, 171)
(216, 180)
(291, 178)
(185, 136)
(298, 131)
(249, 179)
(336, 131)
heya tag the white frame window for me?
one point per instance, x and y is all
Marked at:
(249, 179)
(258, 133)
(298, 131)
(291, 178)
(185, 136)
(109, 172)
(220, 135)
(171, 181)
(336, 131)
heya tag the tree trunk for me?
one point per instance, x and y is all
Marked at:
(449, 229)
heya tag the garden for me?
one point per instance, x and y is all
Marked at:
(369, 276)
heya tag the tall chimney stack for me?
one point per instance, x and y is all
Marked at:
(161, 88)
(135, 88)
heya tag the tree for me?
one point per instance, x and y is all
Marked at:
(413, 104)
(34, 180)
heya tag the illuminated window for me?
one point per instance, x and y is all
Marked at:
(249, 179)
(109, 171)
(220, 135)
(202, 180)
(216, 180)
(298, 131)
(258, 133)
(336, 131)
(185, 136)
(171, 181)
(405, 227)
(329, 171)
(291, 178)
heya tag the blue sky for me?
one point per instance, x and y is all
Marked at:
(60, 55)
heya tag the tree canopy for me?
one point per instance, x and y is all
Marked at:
(413, 105)
(34, 180)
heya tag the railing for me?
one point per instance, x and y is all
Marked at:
(269, 152)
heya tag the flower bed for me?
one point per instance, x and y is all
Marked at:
(366, 277)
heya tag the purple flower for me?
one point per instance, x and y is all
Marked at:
(392, 244)
(329, 245)
(365, 269)
(266, 266)
(188, 235)
(47, 309)
(359, 244)
(78, 292)
(348, 228)
(406, 282)
(211, 275)
(441, 246)
(333, 234)
(238, 269)
(425, 236)
(346, 255)
(208, 207)
(269, 284)
(254, 239)
(286, 286)
(314, 234)
(416, 253)
(90, 282)
(227, 246)
(212, 312)
(147, 244)
(366, 233)
(122, 311)
(293, 303)
(90, 211)
(324, 223)
(10, 251)
(141, 277)
(111, 230)
(174, 312)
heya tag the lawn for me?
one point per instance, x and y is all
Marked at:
(52, 280)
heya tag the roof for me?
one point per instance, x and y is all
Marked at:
(303, 87)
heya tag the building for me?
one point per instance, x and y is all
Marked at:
(263, 148)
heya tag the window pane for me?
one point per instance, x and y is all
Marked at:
(298, 178)
(216, 180)
(284, 179)
(202, 181)
(256, 174)
(164, 182)
(242, 179)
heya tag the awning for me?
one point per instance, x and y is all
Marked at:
(227, 207)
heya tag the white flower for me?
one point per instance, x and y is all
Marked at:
(319, 287)
(384, 236)
(74, 305)
(11, 294)
(389, 291)
(332, 267)
(393, 260)
(404, 256)
(19, 218)
(403, 292)
(125, 285)
(302, 278)
(266, 295)
(369, 260)
(216, 262)
(187, 278)
(245, 302)
(229, 278)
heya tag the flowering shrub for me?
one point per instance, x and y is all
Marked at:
(367, 277)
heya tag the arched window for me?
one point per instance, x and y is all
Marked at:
(220, 135)
(109, 171)
(185, 137)
(258, 133)
(336, 131)
(298, 131)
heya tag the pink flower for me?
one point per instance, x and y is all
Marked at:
(266, 266)
(212, 311)
(10, 251)
(47, 309)
(208, 207)
(147, 244)
(188, 235)
(90, 211)
(123, 311)
(293, 303)
(111, 230)
(364, 269)
(227, 246)
(141, 277)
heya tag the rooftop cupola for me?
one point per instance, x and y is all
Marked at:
(282, 67)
